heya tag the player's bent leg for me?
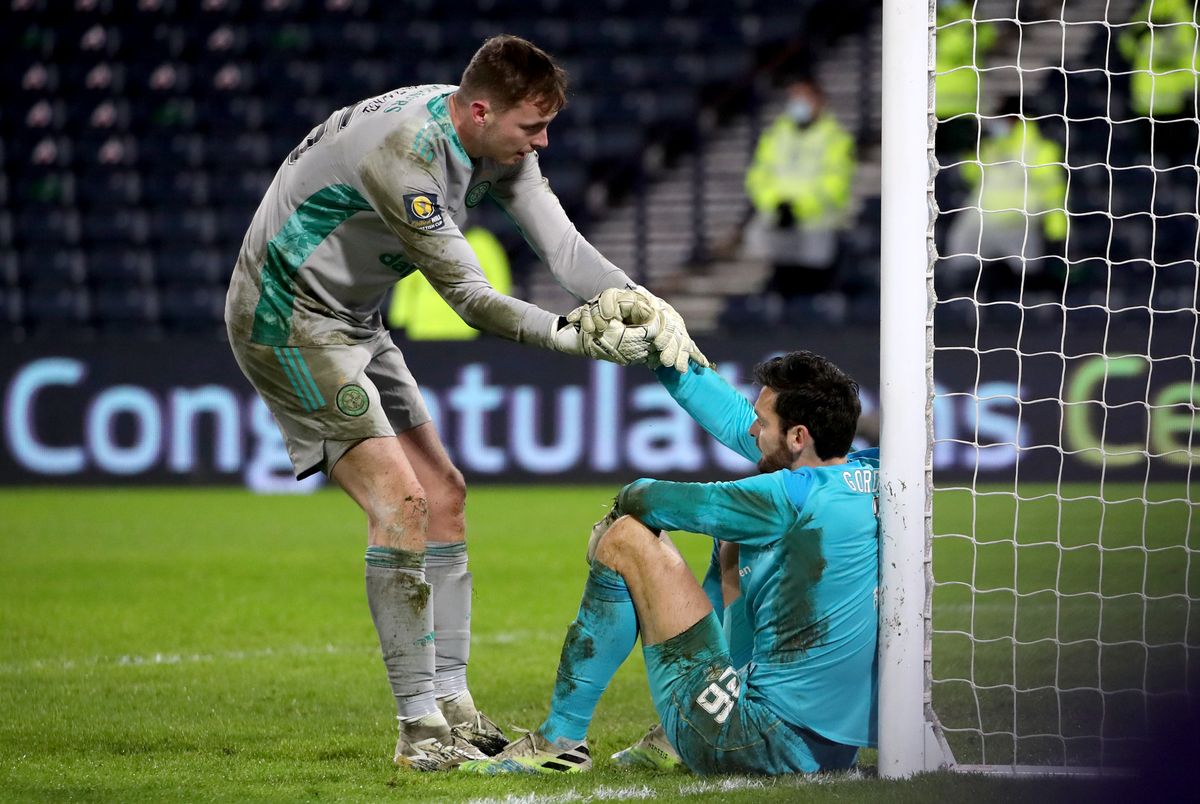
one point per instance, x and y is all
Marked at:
(378, 476)
(597, 643)
(665, 593)
(446, 571)
(443, 482)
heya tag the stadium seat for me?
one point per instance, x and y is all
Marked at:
(10, 267)
(107, 188)
(56, 226)
(42, 189)
(53, 308)
(180, 227)
(174, 152)
(11, 308)
(185, 187)
(191, 267)
(119, 265)
(115, 225)
(193, 309)
(239, 186)
(47, 266)
(124, 309)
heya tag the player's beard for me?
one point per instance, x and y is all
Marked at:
(776, 457)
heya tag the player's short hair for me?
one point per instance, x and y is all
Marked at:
(814, 392)
(507, 70)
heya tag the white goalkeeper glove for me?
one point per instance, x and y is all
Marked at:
(617, 307)
(621, 345)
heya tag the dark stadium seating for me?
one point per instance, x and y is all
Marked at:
(136, 139)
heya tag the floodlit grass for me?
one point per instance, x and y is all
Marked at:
(1063, 606)
(214, 645)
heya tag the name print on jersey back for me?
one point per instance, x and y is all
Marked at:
(864, 481)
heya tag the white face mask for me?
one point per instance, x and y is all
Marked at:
(800, 111)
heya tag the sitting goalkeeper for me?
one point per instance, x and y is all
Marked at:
(799, 541)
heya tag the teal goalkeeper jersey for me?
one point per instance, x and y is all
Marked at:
(808, 558)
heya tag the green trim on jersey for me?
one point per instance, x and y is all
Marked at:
(441, 115)
(312, 222)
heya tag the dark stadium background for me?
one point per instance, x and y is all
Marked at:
(136, 139)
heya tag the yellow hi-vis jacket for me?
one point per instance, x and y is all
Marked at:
(1161, 48)
(961, 46)
(810, 168)
(424, 315)
(1021, 173)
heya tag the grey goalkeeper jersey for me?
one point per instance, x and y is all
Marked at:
(379, 190)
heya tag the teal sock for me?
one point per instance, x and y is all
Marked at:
(603, 634)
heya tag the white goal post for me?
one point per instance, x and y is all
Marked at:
(904, 388)
(1039, 499)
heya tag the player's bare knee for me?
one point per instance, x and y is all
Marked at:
(401, 523)
(625, 541)
(455, 491)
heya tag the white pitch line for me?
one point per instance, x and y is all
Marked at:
(703, 787)
(164, 658)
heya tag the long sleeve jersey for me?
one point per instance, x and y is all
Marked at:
(377, 191)
(808, 546)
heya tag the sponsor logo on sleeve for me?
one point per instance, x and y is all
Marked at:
(423, 211)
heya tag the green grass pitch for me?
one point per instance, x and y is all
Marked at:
(208, 645)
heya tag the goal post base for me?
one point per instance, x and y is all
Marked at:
(1060, 772)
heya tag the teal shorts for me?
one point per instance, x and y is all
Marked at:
(716, 728)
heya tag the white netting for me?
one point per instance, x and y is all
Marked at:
(1066, 603)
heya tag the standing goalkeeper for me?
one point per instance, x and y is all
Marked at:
(378, 191)
(800, 541)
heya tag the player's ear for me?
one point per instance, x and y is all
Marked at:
(798, 438)
(480, 109)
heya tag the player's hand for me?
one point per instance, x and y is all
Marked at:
(638, 306)
(671, 340)
(614, 305)
(601, 528)
(617, 344)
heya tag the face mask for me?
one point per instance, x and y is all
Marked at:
(800, 111)
(997, 128)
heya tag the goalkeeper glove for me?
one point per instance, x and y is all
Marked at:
(675, 347)
(639, 307)
(620, 345)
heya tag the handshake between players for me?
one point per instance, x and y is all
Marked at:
(627, 326)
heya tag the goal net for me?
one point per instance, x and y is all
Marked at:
(1062, 620)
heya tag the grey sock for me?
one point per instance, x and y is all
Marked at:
(446, 571)
(400, 606)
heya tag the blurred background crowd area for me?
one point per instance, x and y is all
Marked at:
(714, 149)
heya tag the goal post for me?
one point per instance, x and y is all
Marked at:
(1039, 493)
(905, 388)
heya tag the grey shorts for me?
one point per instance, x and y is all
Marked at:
(326, 399)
